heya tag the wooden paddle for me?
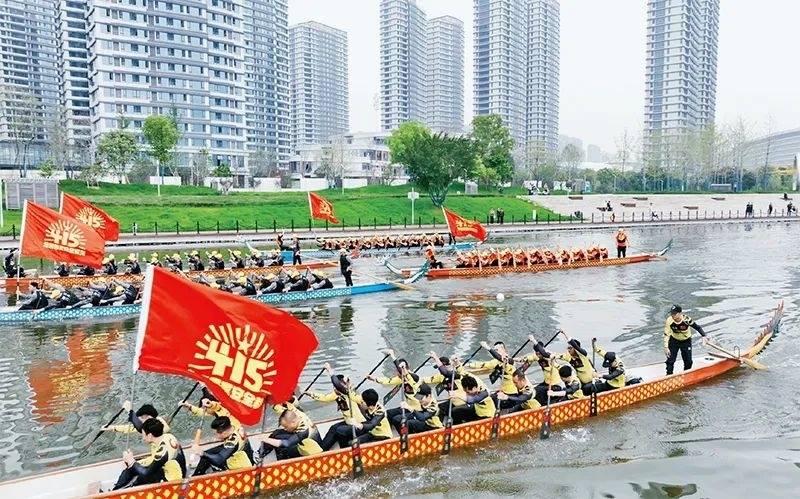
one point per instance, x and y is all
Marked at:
(545, 431)
(110, 422)
(321, 371)
(440, 387)
(177, 409)
(750, 362)
(379, 364)
(389, 396)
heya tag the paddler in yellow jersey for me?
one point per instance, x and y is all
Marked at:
(210, 406)
(286, 451)
(524, 398)
(616, 373)
(448, 375)
(375, 427)
(678, 337)
(578, 358)
(570, 386)
(296, 438)
(410, 386)
(230, 455)
(346, 401)
(426, 417)
(137, 419)
(166, 461)
(477, 402)
(551, 378)
(502, 364)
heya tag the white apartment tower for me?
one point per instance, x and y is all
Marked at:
(318, 82)
(543, 73)
(516, 59)
(28, 77)
(445, 75)
(266, 35)
(403, 51)
(681, 70)
(73, 71)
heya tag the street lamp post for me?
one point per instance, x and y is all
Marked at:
(413, 195)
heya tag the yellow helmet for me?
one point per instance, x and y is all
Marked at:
(105, 260)
(195, 253)
(237, 253)
(118, 289)
(320, 274)
(271, 277)
(132, 257)
(110, 256)
(214, 285)
(255, 253)
(176, 256)
(56, 294)
(242, 279)
(154, 255)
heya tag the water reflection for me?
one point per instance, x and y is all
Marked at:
(60, 386)
(655, 490)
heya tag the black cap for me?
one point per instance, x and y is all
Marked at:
(676, 309)
(609, 359)
(424, 390)
(574, 343)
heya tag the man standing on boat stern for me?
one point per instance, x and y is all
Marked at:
(678, 336)
(622, 243)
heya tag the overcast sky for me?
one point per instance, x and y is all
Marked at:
(602, 62)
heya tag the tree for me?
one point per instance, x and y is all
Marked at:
(24, 116)
(117, 149)
(162, 135)
(199, 167)
(263, 163)
(494, 146)
(59, 143)
(47, 169)
(738, 138)
(486, 176)
(625, 145)
(540, 161)
(571, 157)
(222, 170)
(333, 161)
(433, 162)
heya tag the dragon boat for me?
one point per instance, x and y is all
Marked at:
(80, 280)
(522, 268)
(378, 252)
(273, 475)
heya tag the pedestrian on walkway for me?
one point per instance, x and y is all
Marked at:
(491, 216)
(501, 215)
(769, 210)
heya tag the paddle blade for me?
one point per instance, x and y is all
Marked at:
(544, 434)
(389, 396)
(753, 363)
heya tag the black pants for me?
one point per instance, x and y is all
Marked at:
(129, 478)
(540, 391)
(413, 425)
(504, 404)
(464, 414)
(685, 347)
(283, 452)
(205, 465)
(597, 387)
(621, 251)
(296, 260)
(348, 278)
(333, 432)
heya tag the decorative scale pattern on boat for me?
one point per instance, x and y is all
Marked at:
(230, 484)
(303, 470)
(485, 271)
(636, 393)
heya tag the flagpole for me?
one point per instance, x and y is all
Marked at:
(21, 239)
(449, 229)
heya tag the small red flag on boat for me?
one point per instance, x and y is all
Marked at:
(461, 227)
(321, 208)
(91, 215)
(246, 353)
(49, 234)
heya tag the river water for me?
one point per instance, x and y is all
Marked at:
(736, 436)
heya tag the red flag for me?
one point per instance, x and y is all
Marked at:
(321, 208)
(461, 227)
(48, 234)
(91, 215)
(242, 350)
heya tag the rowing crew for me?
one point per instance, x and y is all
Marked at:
(527, 256)
(380, 242)
(566, 376)
(99, 293)
(216, 260)
(271, 283)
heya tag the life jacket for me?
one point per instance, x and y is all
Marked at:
(239, 458)
(622, 240)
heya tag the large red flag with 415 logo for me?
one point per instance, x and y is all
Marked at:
(461, 227)
(321, 208)
(91, 215)
(49, 234)
(246, 353)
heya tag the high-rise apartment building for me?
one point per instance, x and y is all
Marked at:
(28, 77)
(445, 75)
(543, 71)
(181, 59)
(319, 83)
(681, 70)
(73, 71)
(267, 107)
(516, 65)
(402, 63)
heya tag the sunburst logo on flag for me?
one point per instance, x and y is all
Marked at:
(237, 360)
(65, 236)
(325, 208)
(91, 218)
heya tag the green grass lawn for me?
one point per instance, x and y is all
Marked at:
(190, 206)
